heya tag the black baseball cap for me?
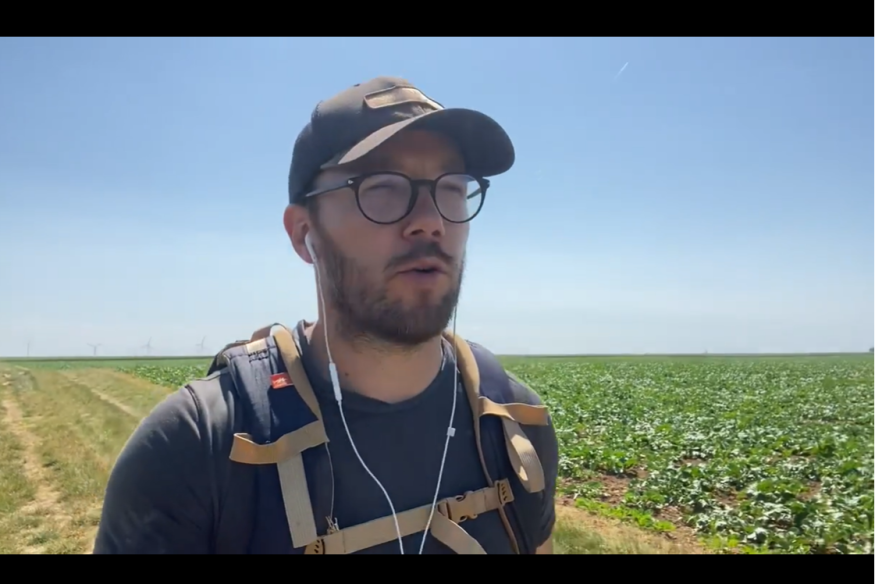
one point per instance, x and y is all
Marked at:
(347, 126)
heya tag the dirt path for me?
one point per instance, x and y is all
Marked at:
(45, 502)
(114, 402)
(133, 396)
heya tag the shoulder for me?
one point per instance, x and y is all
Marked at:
(160, 493)
(543, 437)
(537, 510)
(516, 390)
(189, 416)
(215, 398)
(511, 389)
(203, 411)
(189, 422)
(523, 392)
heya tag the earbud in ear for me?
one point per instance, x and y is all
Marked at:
(309, 244)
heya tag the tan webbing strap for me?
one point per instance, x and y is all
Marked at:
(526, 414)
(263, 332)
(256, 346)
(293, 479)
(471, 381)
(523, 456)
(245, 451)
(289, 352)
(286, 452)
(444, 527)
(296, 500)
(470, 374)
(454, 536)
(522, 453)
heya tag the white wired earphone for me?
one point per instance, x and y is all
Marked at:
(335, 382)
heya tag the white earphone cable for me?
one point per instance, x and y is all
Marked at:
(335, 382)
(451, 431)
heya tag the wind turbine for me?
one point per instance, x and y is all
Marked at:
(28, 348)
(94, 347)
(200, 346)
(148, 346)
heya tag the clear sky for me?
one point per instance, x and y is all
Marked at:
(716, 195)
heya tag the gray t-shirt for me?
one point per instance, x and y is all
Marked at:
(162, 493)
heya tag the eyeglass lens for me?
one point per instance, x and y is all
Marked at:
(386, 197)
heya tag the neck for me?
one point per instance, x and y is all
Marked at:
(389, 374)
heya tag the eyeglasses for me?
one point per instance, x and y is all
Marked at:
(389, 197)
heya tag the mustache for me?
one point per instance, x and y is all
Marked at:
(421, 251)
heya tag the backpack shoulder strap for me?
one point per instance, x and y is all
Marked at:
(517, 407)
(220, 360)
(282, 421)
(492, 395)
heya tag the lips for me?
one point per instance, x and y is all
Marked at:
(424, 267)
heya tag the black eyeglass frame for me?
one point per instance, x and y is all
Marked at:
(355, 183)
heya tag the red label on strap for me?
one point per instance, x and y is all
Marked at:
(280, 380)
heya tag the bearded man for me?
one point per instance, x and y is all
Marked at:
(372, 429)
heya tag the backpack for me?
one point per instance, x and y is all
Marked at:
(278, 493)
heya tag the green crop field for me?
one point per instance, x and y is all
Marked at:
(769, 453)
(658, 454)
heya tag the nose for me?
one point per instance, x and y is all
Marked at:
(425, 220)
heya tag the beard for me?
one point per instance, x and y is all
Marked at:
(365, 313)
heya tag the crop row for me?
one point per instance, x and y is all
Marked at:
(763, 454)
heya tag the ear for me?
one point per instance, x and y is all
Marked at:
(296, 220)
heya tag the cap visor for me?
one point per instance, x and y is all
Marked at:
(485, 146)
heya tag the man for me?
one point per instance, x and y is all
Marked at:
(383, 184)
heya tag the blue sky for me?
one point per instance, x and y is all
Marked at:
(715, 196)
